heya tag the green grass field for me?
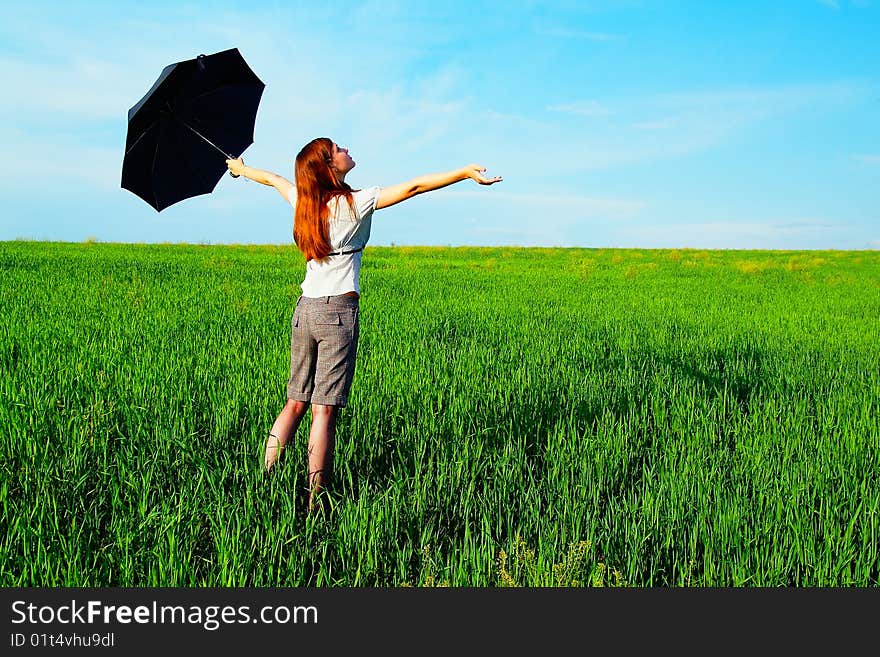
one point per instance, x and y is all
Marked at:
(519, 417)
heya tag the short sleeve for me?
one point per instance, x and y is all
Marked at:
(365, 201)
(291, 196)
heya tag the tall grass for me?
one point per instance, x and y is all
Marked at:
(527, 417)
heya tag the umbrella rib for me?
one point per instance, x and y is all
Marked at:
(205, 138)
(153, 175)
(143, 134)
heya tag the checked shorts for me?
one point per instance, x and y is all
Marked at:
(323, 347)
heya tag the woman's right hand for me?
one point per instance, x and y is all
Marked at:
(236, 166)
(478, 173)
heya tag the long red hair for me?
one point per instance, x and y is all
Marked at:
(316, 185)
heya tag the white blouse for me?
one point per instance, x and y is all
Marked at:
(338, 274)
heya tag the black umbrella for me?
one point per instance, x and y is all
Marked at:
(181, 133)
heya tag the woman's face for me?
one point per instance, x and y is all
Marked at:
(341, 162)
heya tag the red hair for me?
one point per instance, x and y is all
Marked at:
(316, 185)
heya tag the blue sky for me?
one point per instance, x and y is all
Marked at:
(650, 124)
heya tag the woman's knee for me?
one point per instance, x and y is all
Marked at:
(324, 411)
(297, 406)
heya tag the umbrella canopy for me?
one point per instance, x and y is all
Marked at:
(197, 114)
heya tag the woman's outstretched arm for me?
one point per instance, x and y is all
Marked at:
(284, 186)
(403, 191)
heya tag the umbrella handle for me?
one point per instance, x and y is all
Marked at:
(229, 157)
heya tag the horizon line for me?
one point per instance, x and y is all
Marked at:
(91, 241)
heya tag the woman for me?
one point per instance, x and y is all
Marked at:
(331, 227)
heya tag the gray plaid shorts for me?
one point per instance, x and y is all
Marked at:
(323, 346)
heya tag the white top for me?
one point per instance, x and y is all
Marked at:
(338, 274)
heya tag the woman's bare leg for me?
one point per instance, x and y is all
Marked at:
(285, 427)
(321, 440)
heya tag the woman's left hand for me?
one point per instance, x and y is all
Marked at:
(478, 173)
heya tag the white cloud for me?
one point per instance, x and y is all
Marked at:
(59, 161)
(772, 234)
(81, 88)
(570, 33)
(534, 218)
(581, 108)
(836, 4)
(659, 124)
(575, 205)
(750, 103)
(654, 127)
